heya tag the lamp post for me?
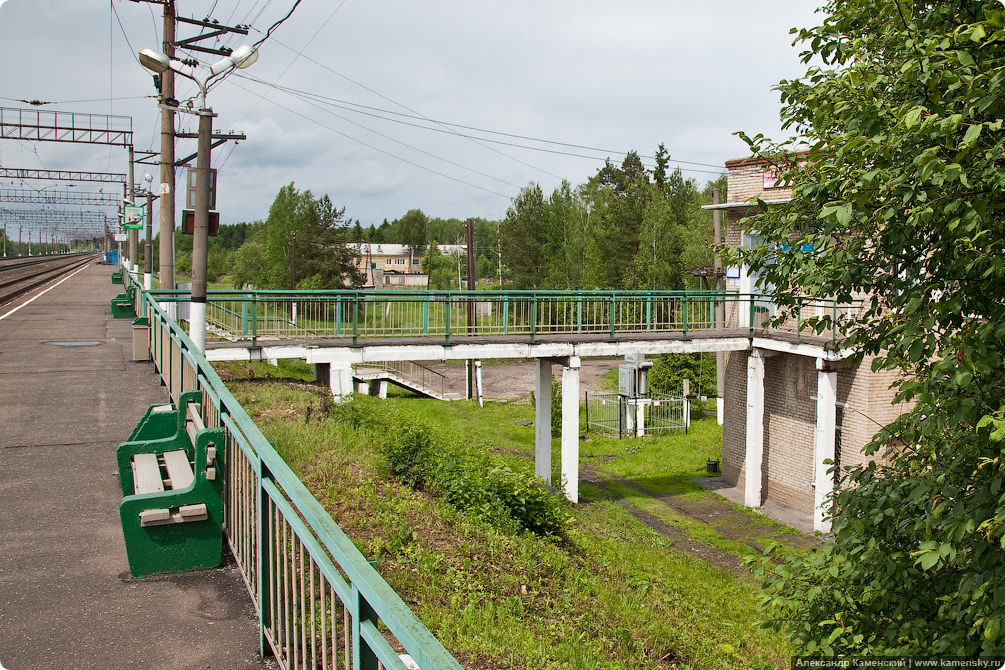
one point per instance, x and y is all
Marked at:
(158, 62)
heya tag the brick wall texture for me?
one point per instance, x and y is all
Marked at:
(790, 387)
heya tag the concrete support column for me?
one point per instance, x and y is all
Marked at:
(755, 429)
(322, 372)
(570, 428)
(378, 387)
(340, 380)
(542, 421)
(823, 444)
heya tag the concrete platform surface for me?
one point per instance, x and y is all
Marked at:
(801, 521)
(69, 393)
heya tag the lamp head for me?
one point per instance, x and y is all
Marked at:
(241, 57)
(154, 60)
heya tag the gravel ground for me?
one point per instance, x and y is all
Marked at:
(514, 379)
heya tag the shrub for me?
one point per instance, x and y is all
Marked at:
(427, 457)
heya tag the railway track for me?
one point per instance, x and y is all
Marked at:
(20, 275)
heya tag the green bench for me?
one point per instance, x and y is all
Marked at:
(117, 277)
(172, 509)
(124, 304)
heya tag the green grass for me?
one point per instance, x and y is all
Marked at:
(607, 592)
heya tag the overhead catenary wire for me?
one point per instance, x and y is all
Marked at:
(359, 109)
(387, 153)
(413, 148)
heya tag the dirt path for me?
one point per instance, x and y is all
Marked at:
(514, 379)
(718, 514)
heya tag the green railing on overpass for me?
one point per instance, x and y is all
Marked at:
(320, 603)
(352, 315)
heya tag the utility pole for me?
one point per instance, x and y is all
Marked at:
(472, 311)
(720, 304)
(168, 103)
(293, 274)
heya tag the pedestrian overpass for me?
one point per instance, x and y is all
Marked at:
(337, 330)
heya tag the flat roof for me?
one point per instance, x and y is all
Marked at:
(745, 205)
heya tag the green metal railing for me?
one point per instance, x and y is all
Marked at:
(352, 315)
(320, 603)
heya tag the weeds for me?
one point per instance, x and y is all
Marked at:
(443, 496)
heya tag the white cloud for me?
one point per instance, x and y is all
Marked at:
(618, 77)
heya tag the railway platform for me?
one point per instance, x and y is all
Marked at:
(69, 393)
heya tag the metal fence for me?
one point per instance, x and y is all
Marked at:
(612, 413)
(320, 603)
(667, 412)
(320, 315)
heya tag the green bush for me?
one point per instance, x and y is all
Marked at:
(426, 457)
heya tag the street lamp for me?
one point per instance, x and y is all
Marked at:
(156, 61)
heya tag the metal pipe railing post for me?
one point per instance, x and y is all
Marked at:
(533, 318)
(684, 302)
(254, 319)
(610, 317)
(355, 319)
(446, 318)
(263, 565)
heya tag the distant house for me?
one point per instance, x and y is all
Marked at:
(789, 404)
(396, 265)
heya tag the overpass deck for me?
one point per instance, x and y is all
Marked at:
(69, 393)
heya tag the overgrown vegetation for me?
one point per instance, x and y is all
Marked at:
(594, 589)
(898, 197)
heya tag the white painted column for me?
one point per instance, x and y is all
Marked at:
(640, 417)
(823, 444)
(378, 387)
(570, 428)
(478, 383)
(542, 421)
(755, 429)
(340, 380)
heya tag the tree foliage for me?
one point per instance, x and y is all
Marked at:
(899, 195)
(625, 228)
(323, 259)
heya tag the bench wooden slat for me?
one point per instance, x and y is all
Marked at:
(179, 469)
(146, 474)
(194, 423)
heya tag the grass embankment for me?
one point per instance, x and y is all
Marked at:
(619, 581)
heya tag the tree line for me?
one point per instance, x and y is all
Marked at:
(625, 228)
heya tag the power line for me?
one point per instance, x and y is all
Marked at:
(409, 146)
(280, 22)
(348, 105)
(387, 153)
(394, 102)
(352, 107)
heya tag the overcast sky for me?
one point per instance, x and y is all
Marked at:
(356, 99)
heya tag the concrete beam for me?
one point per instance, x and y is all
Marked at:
(542, 420)
(432, 352)
(755, 429)
(824, 445)
(808, 350)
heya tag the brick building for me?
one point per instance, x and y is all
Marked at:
(789, 403)
(396, 265)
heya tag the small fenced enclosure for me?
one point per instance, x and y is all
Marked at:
(319, 602)
(615, 414)
(667, 412)
(604, 412)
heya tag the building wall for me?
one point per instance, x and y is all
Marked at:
(790, 388)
